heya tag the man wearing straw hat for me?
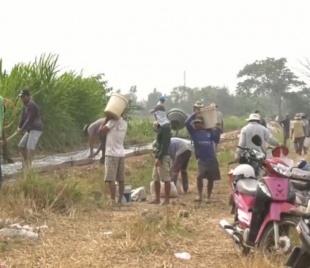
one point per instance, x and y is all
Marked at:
(197, 105)
(249, 131)
(208, 166)
(30, 123)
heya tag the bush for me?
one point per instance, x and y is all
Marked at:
(67, 101)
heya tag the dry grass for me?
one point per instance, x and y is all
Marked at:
(142, 235)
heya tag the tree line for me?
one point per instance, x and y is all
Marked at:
(266, 85)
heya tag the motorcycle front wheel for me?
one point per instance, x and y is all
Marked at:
(288, 239)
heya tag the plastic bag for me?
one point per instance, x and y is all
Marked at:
(307, 142)
(173, 189)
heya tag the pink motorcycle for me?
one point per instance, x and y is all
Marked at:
(275, 238)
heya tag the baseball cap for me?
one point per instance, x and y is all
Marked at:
(198, 119)
(158, 108)
(24, 92)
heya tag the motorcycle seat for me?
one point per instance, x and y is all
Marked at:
(247, 186)
(297, 173)
(301, 186)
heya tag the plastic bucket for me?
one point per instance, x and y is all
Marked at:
(209, 115)
(116, 105)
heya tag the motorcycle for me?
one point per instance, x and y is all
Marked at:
(259, 160)
(273, 236)
(300, 256)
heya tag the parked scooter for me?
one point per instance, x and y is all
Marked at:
(273, 238)
(300, 256)
(278, 158)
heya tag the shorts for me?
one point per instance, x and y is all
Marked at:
(114, 168)
(209, 170)
(30, 139)
(181, 161)
(162, 173)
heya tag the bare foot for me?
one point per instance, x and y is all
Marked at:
(208, 200)
(154, 202)
(165, 203)
(198, 199)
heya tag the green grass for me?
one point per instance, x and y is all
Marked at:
(234, 123)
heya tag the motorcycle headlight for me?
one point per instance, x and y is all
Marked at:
(259, 155)
(281, 169)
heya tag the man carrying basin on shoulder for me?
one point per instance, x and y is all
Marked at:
(249, 131)
(208, 166)
(115, 131)
(92, 132)
(161, 169)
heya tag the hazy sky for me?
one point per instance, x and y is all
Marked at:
(149, 43)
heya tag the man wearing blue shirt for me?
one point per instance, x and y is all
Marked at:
(203, 140)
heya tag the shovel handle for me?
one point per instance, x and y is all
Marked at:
(12, 136)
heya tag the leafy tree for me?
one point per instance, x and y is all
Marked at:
(268, 77)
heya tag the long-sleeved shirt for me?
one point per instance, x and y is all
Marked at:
(30, 118)
(285, 123)
(177, 147)
(249, 131)
(203, 141)
(163, 141)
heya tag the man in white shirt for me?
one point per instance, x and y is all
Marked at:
(115, 155)
(250, 130)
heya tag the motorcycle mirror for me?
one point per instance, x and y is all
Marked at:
(257, 140)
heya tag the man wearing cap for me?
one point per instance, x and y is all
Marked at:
(285, 123)
(298, 134)
(162, 100)
(92, 132)
(249, 131)
(203, 140)
(31, 125)
(220, 123)
(161, 170)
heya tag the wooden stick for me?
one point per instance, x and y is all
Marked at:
(12, 136)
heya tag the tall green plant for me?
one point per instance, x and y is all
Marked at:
(67, 101)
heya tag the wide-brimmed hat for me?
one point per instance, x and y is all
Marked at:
(253, 117)
(198, 104)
